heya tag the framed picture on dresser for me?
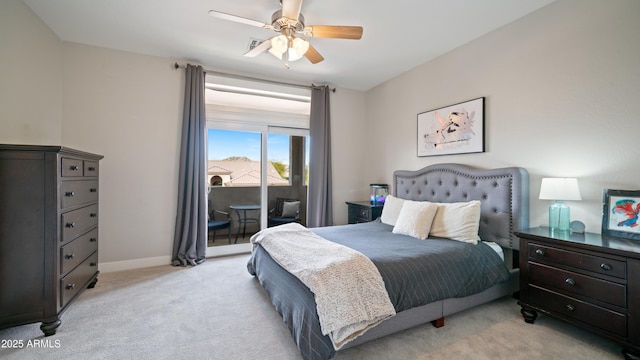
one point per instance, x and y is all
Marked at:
(620, 210)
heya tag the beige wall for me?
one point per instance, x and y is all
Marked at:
(349, 150)
(128, 108)
(30, 78)
(562, 89)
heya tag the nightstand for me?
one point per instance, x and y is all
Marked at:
(363, 211)
(585, 279)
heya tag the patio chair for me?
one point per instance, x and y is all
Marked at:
(223, 223)
(286, 211)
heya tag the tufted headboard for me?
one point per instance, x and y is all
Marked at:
(504, 194)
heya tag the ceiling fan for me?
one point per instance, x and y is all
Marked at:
(289, 22)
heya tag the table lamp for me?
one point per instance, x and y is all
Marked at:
(559, 189)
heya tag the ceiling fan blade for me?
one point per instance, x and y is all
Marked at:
(313, 55)
(336, 32)
(264, 46)
(291, 9)
(239, 19)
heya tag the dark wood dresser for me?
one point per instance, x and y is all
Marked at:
(48, 232)
(363, 211)
(585, 279)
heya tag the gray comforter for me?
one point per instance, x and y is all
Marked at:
(416, 272)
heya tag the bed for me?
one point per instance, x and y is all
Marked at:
(503, 196)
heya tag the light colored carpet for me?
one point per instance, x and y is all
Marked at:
(218, 311)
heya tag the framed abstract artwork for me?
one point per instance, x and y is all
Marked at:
(620, 213)
(454, 129)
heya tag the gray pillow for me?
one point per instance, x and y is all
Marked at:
(290, 208)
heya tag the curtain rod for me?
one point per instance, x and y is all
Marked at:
(242, 77)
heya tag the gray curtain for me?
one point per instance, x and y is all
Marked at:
(320, 205)
(190, 238)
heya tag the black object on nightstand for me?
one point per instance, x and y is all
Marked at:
(585, 279)
(363, 211)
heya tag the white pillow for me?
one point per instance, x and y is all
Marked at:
(457, 221)
(391, 210)
(415, 218)
(290, 208)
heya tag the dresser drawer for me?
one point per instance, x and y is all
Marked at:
(573, 283)
(362, 211)
(77, 167)
(78, 192)
(77, 250)
(90, 168)
(77, 279)
(72, 167)
(364, 214)
(610, 321)
(596, 264)
(359, 214)
(77, 222)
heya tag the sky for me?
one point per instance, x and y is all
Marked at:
(226, 143)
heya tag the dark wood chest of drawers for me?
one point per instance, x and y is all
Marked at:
(363, 211)
(585, 279)
(48, 232)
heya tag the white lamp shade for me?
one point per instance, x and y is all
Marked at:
(560, 189)
(279, 45)
(301, 46)
(276, 53)
(293, 55)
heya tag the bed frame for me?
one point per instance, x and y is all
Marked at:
(504, 196)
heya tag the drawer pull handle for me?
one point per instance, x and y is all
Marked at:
(70, 256)
(91, 168)
(70, 286)
(539, 252)
(70, 225)
(74, 168)
(93, 240)
(93, 215)
(570, 307)
(606, 267)
(570, 282)
(93, 264)
(93, 190)
(69, 194)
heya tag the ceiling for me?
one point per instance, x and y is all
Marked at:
(398, 35)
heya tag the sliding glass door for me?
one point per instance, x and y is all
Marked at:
(250, 168)
(287, 151)
(257, 150)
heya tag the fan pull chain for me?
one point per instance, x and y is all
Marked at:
(286, 55)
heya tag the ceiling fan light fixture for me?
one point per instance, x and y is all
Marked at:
(288, 21)
(297, 48)
(293, 55)
(275, 53)
(293, 49)
(301, 46)
(279, 44)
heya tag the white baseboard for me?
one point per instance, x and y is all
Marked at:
(114, 266)
(134, 264)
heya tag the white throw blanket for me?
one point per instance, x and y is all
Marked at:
(349, 291)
